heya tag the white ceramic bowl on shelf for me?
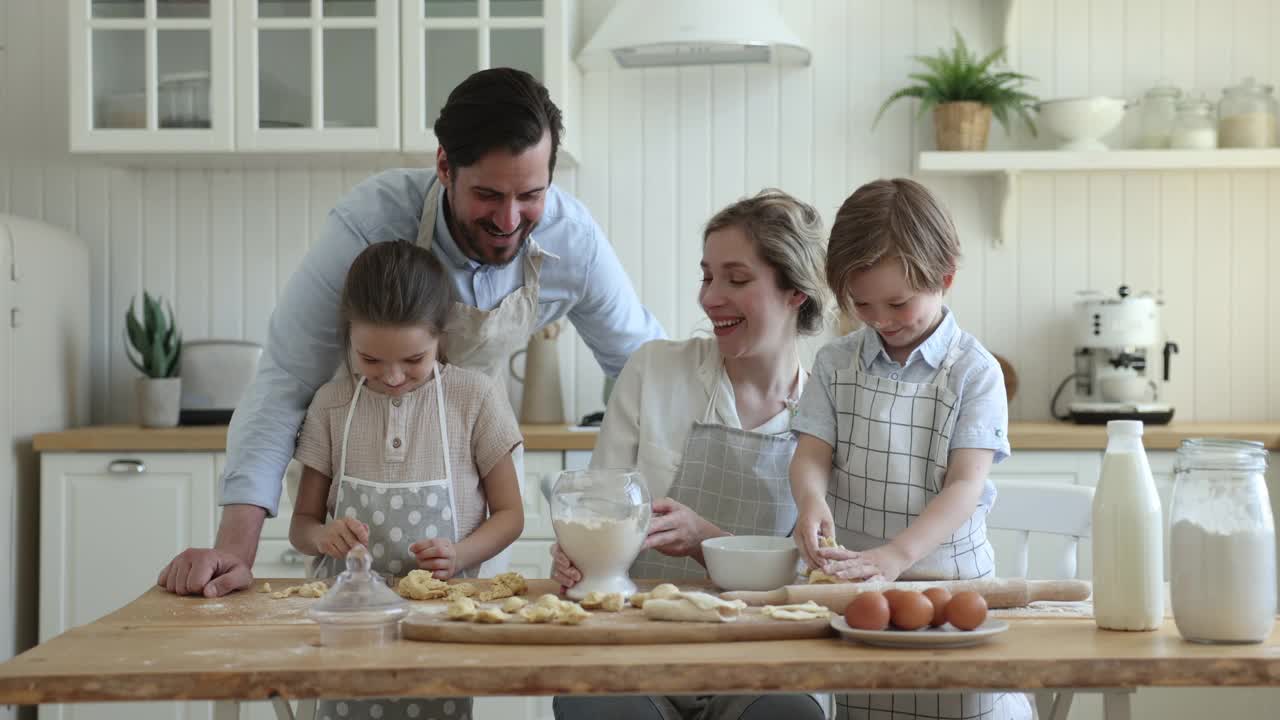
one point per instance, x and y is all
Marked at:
(750, 562)
(1081, 122)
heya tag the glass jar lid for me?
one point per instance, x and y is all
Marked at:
(1249, 86)
(1164, 90)
(1198, 106)
(359, 596)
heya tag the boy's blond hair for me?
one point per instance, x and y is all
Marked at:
(787, 233)
(892, 218)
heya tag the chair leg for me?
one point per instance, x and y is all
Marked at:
(282, 708)
(307, 709)
(1115, 704)
(1053, 704)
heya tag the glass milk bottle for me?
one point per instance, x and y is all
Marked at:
(1128, 536)
(1222, 544)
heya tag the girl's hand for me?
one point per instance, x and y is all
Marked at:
(676, 530)
(438, 555)
(563, 570)
(886, 563)
(340, 535)
(813, 522)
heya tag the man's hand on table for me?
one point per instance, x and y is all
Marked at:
(205, 571)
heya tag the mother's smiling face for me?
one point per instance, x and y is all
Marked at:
(750, 314)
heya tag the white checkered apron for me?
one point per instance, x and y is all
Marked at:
(892, 443)
(398, 515)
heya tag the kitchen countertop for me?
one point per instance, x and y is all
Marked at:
(1022, 435)
(248, 646)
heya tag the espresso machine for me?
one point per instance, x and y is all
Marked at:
(1114, 378)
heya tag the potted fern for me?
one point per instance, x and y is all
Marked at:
(964, 92)
(156, 341)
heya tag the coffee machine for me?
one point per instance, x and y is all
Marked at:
(1114, 378)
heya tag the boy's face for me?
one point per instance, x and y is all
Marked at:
(495, 203)
(883, 299)
(740, 295)
(394, 360)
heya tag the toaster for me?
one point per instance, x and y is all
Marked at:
(215, 373)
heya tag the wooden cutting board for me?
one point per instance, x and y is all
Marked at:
(428, 622)
(998, 592)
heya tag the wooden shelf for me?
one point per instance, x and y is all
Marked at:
(1015, 161)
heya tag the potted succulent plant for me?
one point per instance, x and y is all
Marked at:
(964, 92)
(158, 345)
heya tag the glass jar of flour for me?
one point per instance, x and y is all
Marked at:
(1247, 116)
(1222, 543)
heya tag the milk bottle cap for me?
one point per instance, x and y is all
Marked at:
(1124, 427)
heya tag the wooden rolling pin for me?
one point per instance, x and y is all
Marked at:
(999, 593)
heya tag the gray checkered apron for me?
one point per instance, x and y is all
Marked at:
(892, 443)
(398, 515)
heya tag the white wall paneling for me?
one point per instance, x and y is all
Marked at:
(663, 149)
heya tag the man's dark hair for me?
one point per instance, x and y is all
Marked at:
(497, 108)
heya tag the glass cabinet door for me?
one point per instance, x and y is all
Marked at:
(317, 75)
(446, 40)
(151, 75)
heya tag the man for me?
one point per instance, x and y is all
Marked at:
(477, 210)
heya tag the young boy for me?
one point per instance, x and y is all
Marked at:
(900, 424)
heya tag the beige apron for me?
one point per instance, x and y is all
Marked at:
(892, 443)
(398, 515)
(485, 339)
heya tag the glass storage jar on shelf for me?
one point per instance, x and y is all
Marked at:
(1159, 107)
(1247, 116)
(1222, 543)
(1193, 126)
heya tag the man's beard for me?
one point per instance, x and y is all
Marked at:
(473, 248)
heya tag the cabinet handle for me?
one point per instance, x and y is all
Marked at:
(127, 467)
(291, 557)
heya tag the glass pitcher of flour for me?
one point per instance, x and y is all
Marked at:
(1222, 543)
(601, 517)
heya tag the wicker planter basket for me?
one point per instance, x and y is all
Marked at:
(961, 125)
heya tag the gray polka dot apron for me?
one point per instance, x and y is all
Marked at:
(738, 480)
(484, 340)
(398, 515)
(892, 443)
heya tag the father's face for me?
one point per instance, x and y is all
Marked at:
(495, 203)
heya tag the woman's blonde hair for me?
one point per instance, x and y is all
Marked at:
(892, 218)
(787, 234)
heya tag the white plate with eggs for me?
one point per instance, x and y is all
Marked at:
(946, 636)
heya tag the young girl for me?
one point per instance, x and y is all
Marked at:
(402, 453)
(900, 425)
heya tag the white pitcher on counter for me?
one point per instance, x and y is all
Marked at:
(542, 400)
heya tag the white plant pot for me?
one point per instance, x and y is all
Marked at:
(159, 400)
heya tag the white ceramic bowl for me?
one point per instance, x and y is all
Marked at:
(750, 562)
(1081, 122)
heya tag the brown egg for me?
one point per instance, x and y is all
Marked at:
(939, 597)
(910, 610)
(867, 611)
(966, 610)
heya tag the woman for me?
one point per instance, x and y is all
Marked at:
(707, 421)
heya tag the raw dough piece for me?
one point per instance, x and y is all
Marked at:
(817, 577)
(549, 600)
(266, 587)
(513, 604)
(693, 607)
(505, 585)
(537, 613)
(492, 616)
(664, 591)
(637, 599)
(308, 590)
(419, 585)
(806, 611)
(462, 608)
(570, 613)
(611, 602)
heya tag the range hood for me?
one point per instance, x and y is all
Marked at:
(665, 33)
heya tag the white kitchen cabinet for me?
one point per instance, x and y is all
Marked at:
(151, 76)
(444, 41)
(108, 523)
(317, 75)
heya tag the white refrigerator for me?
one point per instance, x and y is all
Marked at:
(44, 386)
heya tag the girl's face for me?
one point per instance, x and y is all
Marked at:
(395, 360)
(883, 299)
(740, 295)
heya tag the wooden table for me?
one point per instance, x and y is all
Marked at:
(249, 647)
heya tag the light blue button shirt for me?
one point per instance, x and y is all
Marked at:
(581, 278)
(975, 378)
